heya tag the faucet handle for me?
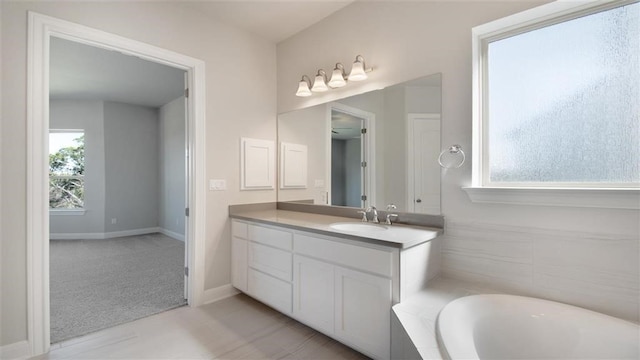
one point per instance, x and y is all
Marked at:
(364, 215)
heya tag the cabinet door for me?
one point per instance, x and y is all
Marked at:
(313, 294)
(363, 311)
(239, 263)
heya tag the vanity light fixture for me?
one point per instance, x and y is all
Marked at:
(320, 83)
(359, 70)
(338, 77)
(303, 86)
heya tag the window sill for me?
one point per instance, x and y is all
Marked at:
(61, 212)
(593, 198)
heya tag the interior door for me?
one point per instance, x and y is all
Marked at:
(425, 197)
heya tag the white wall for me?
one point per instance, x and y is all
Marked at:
(307, 127)
(233, 58)
(406, 40)
(131, 135)
(172, 179)
(88, 116)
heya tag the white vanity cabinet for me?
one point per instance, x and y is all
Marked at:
(341, 287)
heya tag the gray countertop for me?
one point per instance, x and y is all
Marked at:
(398, 236)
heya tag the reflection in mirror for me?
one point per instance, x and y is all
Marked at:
(377, 148)
(346, 156)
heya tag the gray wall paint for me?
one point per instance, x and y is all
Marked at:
(172, 166)
(353, 172)
(131, 166)
(122, 165)
(346, 182)
(86, 115)
(338, 176)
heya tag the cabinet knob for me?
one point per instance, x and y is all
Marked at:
(418, 200)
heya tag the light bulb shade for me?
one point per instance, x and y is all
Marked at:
(303, 88)
(337, 78)
(357, 71)
(320, 83)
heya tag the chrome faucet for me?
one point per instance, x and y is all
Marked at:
(364, 215)
(390, 208)
(374, 212)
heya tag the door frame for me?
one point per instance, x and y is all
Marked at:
(368, 146)
(40, 29)
(411, 118)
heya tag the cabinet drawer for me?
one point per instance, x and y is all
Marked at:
(269, 260)
(239, 229)
(358, 257)
(271, 291)
(272, 237)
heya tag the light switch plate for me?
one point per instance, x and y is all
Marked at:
(217, 184)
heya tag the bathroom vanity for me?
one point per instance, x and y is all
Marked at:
(339, 279)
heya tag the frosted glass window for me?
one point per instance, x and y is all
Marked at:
(563, 102)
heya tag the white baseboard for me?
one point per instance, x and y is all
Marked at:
(19, 350)
(172, 234)
(219, 293)
(99, 236)
(115, 234)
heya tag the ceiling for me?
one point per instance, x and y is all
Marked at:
(272, 20)
(84, 72)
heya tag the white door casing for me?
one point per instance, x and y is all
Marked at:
(41, 28)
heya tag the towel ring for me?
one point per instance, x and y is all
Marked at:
(455, 150)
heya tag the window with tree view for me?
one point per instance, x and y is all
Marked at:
(561, 102)
(66, 169)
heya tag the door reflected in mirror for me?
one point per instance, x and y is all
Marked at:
(373, 149)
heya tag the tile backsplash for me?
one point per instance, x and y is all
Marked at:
(596, 271)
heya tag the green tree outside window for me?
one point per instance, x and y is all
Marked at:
(66, 176)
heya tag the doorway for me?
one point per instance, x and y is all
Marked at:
(41, 30)
(117, 190)
(351, 156)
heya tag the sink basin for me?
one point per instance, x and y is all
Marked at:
(358, 227)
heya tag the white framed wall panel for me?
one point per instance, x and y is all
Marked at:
(257, 167)
(293, 166)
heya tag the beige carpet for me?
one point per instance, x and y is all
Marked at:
(96, 284)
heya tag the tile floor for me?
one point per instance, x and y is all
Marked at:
(234, 328)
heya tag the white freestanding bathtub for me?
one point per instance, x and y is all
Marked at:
(517, 327)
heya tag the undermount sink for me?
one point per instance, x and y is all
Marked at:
(358, 227)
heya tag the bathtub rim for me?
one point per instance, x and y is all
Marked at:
(473, 354)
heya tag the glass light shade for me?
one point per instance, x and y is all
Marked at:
(357, 72)
(319, 85)
(303, 89)
(337, 80)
